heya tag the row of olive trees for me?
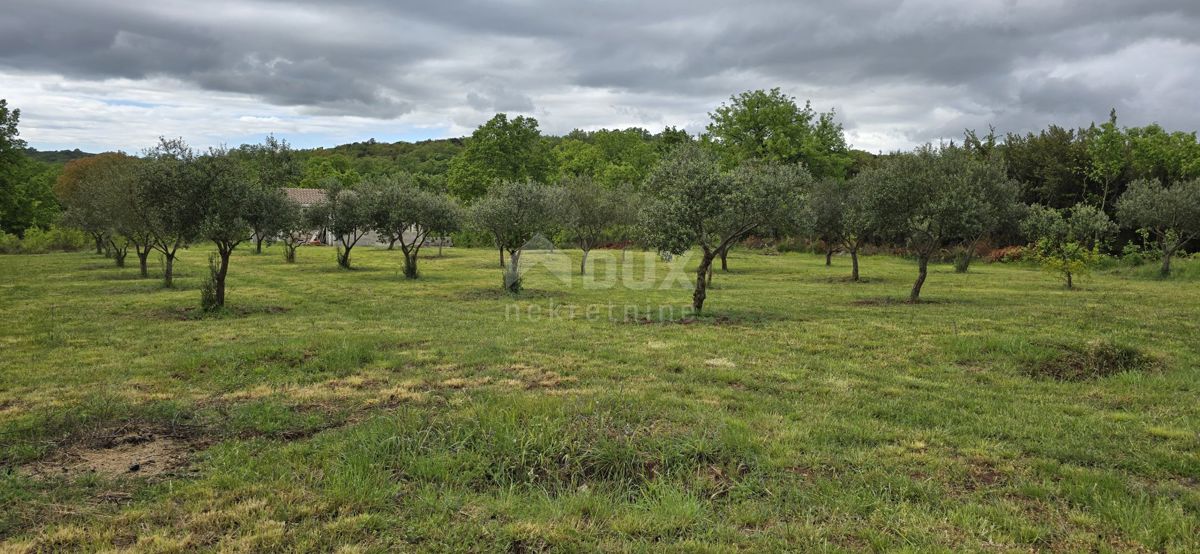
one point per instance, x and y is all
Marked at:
(951, 196)
(394, 207)
(174, 196)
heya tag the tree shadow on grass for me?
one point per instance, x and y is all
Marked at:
(194, 313)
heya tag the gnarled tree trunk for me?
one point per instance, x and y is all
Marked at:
(923, 271)
(854, 264)
(703, 276)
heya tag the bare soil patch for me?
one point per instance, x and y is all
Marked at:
(122, 453)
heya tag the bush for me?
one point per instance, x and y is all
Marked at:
(38, 241)
(9, 244)
(1007, 254)
(473, 239)
(66, 239)
(208, 289)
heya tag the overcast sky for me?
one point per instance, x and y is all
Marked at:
(116, 74)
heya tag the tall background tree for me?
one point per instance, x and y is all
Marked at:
(26, 198)
(501, 149)
(768, 125)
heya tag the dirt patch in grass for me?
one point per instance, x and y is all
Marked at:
(126, 452)
(1093, 360)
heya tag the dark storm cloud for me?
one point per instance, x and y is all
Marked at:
(899, 72)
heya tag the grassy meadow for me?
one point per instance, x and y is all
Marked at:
(357, 411)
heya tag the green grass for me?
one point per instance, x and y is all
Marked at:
(329, 409)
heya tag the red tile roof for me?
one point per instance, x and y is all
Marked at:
(305, 197)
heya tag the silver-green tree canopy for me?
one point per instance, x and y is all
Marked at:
(171, 203)
(406, 215)
(692, 203)
(346, 213)
(589, 210)
(930, 197)
(514, 212)
(224, 191)
(1171, 214)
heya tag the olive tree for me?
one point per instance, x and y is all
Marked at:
(86, 189)
(294, 228)
(346, 213)
(1067, 243)
(927, 198)
(170, 204)
(826, 208)
(692, 203)
(859, 222)
(407, 215)
(588, 211)
(1000, 205)
(271, 166)
(514, 212)
(225, 193)
(1170, 214)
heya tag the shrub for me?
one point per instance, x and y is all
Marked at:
(66, 239)
(9, 244)
(1006, 254)
(36, 241)
(39, 241)
(208, 289)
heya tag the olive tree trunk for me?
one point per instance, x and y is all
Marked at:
(169, 269)
(219, 278)
(143, 257)
(854, 264)
(923, 272)
(703, 276)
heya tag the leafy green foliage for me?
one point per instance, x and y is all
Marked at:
(26, 199)
(614, 158)
(1108, 155)
(769, 126)
(501, 149)
(1067, 244)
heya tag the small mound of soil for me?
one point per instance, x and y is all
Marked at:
(1096, 359)
(132, 454)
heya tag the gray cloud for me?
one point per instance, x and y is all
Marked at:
(897, 73)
